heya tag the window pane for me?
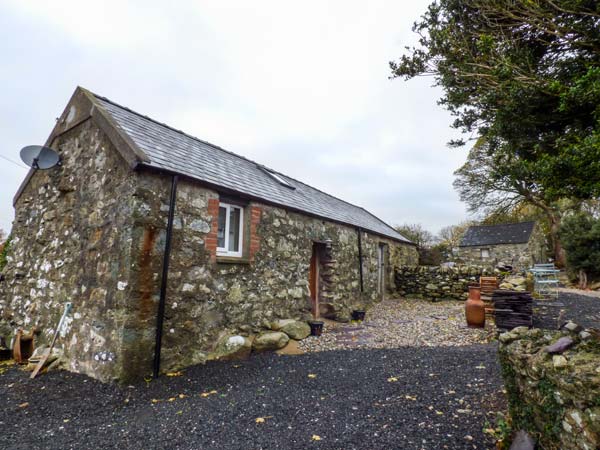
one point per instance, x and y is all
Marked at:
(221, 227)
(234, 229)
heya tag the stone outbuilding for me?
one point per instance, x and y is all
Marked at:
(247, 246)
(519, 245)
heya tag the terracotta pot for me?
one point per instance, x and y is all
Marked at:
(475, 308)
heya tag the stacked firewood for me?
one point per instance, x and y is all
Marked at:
(512, 309)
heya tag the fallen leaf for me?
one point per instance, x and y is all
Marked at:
(179, 412)
(410, 397)
(182, 396)
(24, 405)
(262, 419)
(392, 379)
(439, 413)
(312, 375)
(66, 420)
(155, 400)
(205, 394)
(212, 392)
(174, 374)
(316, 437)
(172, 399)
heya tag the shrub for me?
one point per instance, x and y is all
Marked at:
(580, 235)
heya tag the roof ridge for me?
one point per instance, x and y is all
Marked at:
(502, 224)
(237, 155)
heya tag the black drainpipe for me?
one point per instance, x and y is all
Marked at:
(360, 266)
(160, 317)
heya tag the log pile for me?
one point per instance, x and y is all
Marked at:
(512, 309)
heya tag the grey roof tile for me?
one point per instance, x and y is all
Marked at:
(507, 233)
(173, 150)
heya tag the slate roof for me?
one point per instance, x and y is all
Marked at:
(173, 150)
(508, 233)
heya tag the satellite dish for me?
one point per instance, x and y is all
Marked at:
(39, 157)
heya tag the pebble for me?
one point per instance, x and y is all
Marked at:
(559, 361)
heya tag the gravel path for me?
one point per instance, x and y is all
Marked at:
(409, 398)
(402, 322)
(581, 308)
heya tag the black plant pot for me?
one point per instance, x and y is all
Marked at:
(358, 314)
(316, 327)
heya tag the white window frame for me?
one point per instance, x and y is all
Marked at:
(224, 251)
(486, 250)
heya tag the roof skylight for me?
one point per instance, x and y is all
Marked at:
(278, 178)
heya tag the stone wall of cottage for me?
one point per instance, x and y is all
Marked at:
(93, 232)
(210, 296)
(554, 397)
(519, 256)
(71, 241)
(438, 282)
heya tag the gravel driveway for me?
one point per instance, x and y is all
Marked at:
(409, 398)
(403, 322)
(583, 309)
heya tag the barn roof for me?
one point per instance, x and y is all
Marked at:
(166, 148)
(506, 233)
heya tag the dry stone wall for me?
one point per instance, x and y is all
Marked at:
(438, 282)
(553, 385)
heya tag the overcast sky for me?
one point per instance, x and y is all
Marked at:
(301, 87)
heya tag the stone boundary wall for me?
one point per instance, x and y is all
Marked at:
(438, 282)
(554, 393)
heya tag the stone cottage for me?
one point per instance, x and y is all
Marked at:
(142, 223)
(519, 245)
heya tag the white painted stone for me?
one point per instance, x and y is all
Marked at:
(235, 341)
(121, 285)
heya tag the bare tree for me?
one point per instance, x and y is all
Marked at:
(417, 234)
